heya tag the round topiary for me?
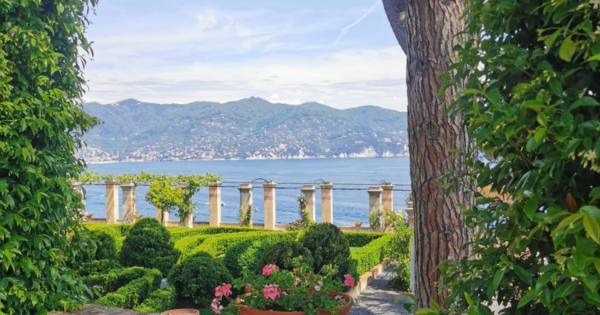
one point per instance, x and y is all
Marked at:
(148, 244)
(106, 243)
(246, 254)
(196, 278)
(283, 253)
(328, 245)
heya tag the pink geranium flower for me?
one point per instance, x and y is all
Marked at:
(297, 281)
(349, 281)
(248, 287)
(272, 291)
(319, 286)
(268, 269)
(225, 289)
(216, 306)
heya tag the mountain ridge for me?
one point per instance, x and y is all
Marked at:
(251, 128)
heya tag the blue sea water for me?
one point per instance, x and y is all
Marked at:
(349, 206)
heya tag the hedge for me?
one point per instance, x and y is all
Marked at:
(218, 244)
(96, 267)
(113, 280)
(159, 301)
(372, 254)
(132, 294)
(360, 239)
(186, 244)
(179, 232)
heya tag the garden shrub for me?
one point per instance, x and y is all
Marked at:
(114, 279)
(245, 254)
(179, 232)
(106, 244)
(159, 301)
(328, 246)
(360, 239)
(371, 254)
(42, 55)
(188, 243)
(218, 244)
(132, 294)
(149, 245)
(196, 278)
(531, 102)
(96, 267)
(401, 253)
(282, 254)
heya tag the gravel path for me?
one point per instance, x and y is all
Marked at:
(378, 298)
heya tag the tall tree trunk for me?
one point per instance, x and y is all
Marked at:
(431, 27)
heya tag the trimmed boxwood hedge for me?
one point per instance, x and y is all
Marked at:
(371, 254)
(96, 267)
(217, 245)
(186, 244)
(179, 232)
(360, 239)
(132, 294)
(159, 301)
(113, 280)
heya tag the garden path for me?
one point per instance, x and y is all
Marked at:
(103, 310)
(378, 298)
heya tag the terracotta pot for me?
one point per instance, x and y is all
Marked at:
(181, 311)
(344, 311)
(357, 224)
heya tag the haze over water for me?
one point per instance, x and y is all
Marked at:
(349, 206)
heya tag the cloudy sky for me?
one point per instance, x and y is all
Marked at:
(337, 52)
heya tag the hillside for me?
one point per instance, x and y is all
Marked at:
(251, 128)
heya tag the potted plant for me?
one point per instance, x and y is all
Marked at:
(357, 224)
(283, 292)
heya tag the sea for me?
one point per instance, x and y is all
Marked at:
(350, 202)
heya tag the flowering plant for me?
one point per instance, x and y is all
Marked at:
(283, 290)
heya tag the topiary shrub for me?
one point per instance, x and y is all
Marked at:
(148, 244)
(159, 301)
(195, 279)
(283, 253)
(328, 246)
(106, 244)
(531, 102)
(246, 254)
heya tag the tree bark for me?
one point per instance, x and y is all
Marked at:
(440, 233)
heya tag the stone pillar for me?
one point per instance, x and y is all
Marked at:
(411, 223)
(128, 202)
(387, 197)
(269, 187)
(162, 216)
(214, 204)
(246, 203)
(308, 191)
(327, 202)
(112, 202)
(374, 198)
(189, 219)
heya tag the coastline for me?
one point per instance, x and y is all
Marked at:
(252, 159)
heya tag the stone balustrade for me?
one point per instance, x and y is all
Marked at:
(380, 197)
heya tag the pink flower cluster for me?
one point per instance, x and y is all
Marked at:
(216, 306)
(268, 269)
(319, 286)
(349, 281)
(224, 289)
(248, 287)
(272, 291)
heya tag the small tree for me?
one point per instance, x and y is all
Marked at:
(532, 102)
(41, 127)
(164, 197)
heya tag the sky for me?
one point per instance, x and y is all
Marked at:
(341, 53)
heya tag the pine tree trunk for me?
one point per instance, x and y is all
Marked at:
(431, 27)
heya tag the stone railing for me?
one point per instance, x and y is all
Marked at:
(381, 196)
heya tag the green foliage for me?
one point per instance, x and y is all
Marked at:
(218, 244)
(159, 301)
(112, 280)
(401, 253)
(304, 221)
(247, 254)
(132, 294)
(282, 254)
(149, 245)
(245, 216)
(196, 279)
(186, 244)
(42, 55)
(328, 246)
(178, 232)
(371, 254)
(165, 197)
(385, 220)
(532, 105)
(360, 239)
(96, 267)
